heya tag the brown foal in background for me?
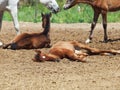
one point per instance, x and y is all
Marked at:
(33, 40)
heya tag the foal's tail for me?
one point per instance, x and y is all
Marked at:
(95, 51)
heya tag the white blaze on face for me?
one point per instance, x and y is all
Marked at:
(43, 56)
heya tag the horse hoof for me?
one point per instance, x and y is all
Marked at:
(88, 41)
(105, 41)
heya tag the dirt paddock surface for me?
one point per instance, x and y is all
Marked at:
(19, 72)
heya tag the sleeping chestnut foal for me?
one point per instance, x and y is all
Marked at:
(71, 50)
(33, 40)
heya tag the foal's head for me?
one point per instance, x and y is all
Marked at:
(46, 20)
(40, 57)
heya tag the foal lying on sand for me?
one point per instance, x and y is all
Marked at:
(33, 40)
(71, 50)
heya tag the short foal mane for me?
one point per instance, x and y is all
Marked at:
(46, 22)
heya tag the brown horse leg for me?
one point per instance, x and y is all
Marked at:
(1, 16)
(95, 51)
(95, 19)
(104, 18)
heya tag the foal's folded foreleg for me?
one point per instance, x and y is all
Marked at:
(76, 57)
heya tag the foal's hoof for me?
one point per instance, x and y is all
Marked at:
(57, 60)
(107, 40)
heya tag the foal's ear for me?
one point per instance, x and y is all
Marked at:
(37, 51)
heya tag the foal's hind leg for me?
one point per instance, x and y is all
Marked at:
(73, 56)
(95, 19)
(95, 51)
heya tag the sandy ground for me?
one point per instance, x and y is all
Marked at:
(19, 72)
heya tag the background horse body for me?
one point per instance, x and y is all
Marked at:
(11, 6)
(99, 7)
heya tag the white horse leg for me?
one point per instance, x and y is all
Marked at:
(13, 12)
(1, 15)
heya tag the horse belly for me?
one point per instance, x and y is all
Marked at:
(113, 5)
(64, 45)
(61, 52)
(40, 43)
